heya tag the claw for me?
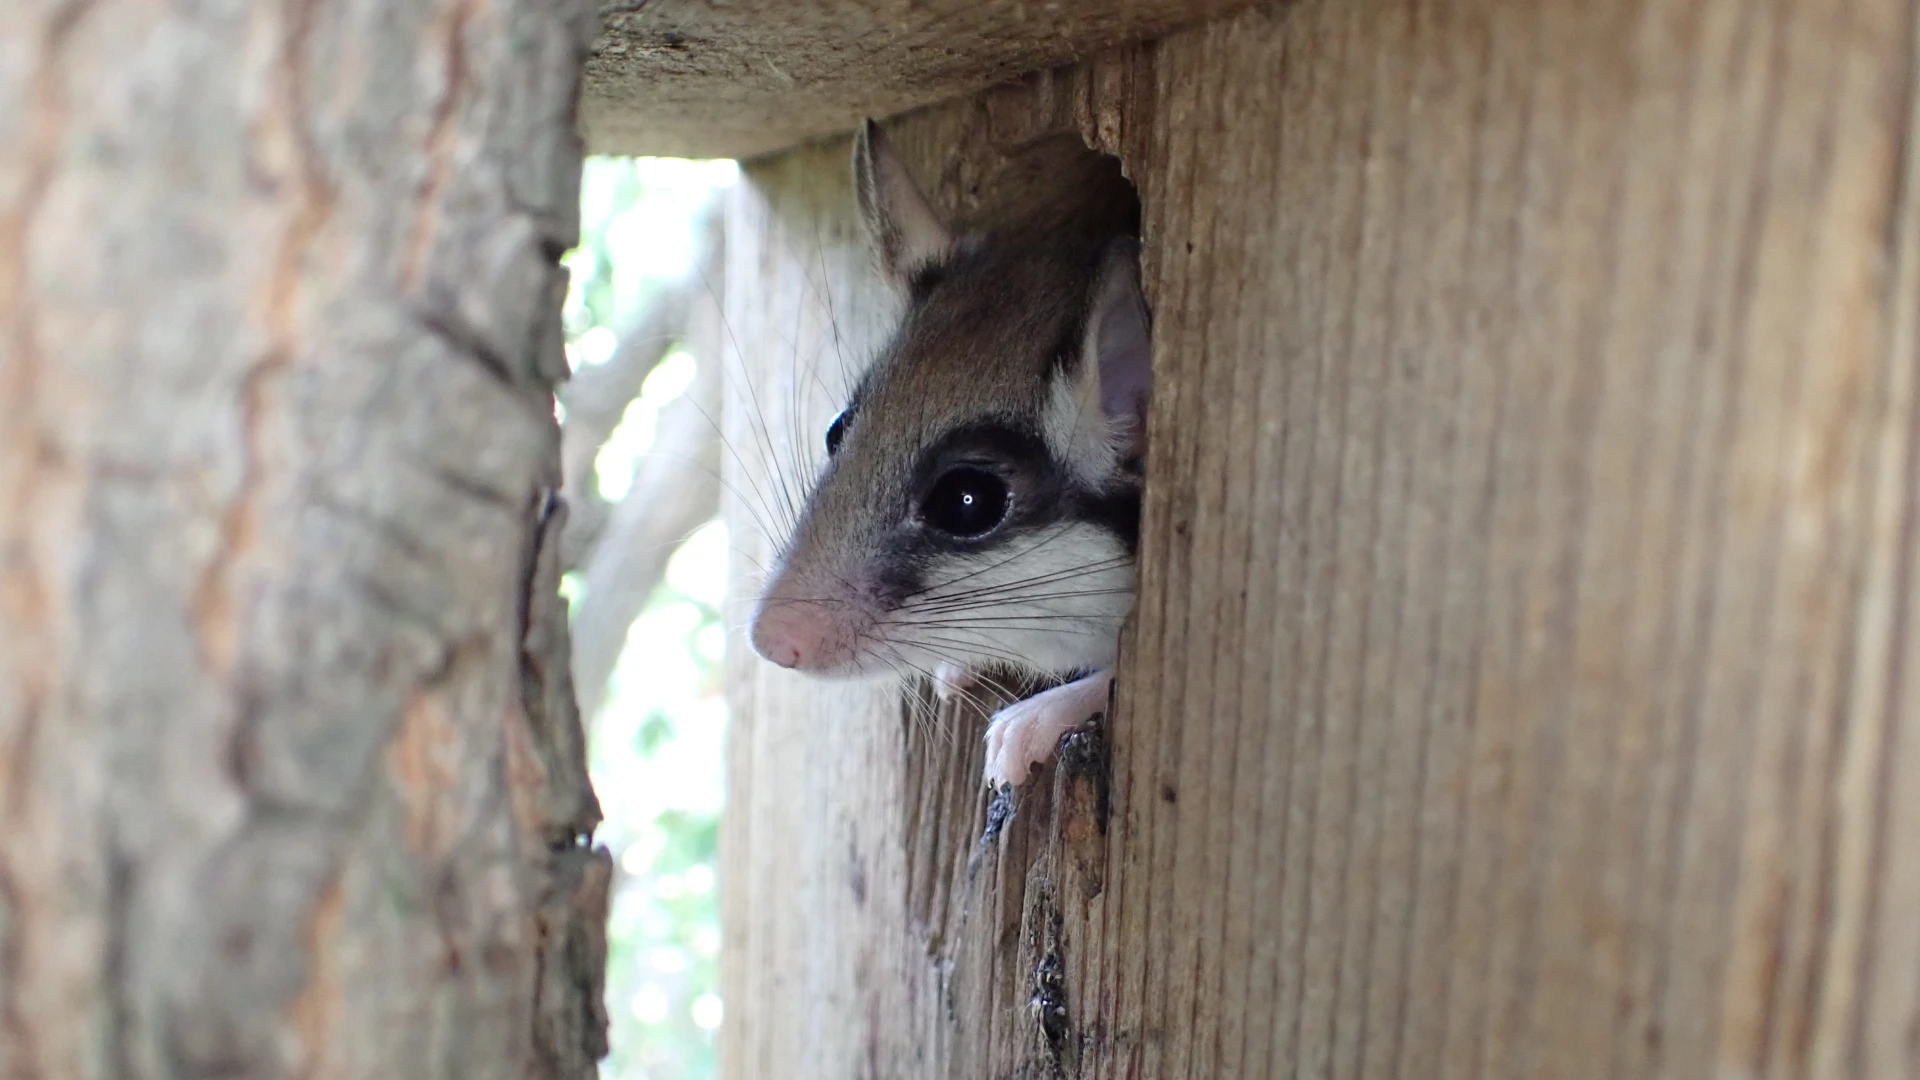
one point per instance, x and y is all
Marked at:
(1026, 733)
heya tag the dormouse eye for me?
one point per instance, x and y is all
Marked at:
(835, 432)
(966, 503)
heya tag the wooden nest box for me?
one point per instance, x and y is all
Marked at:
(1524, 678)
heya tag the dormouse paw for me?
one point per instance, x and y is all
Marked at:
(1026, 733)
(951, 681)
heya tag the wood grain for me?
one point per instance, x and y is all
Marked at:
(1522, 681)
(745, 78)
(291, 778)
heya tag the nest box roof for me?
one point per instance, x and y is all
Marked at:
(741, 78)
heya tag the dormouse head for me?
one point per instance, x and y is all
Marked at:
(979, 503)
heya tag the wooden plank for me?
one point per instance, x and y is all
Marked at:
(1522, 677)
(743, 78)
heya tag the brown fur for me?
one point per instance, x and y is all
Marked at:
(1009, 306)
(995, 316)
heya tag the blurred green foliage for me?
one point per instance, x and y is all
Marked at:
(655, 748)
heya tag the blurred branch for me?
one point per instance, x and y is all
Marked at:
(598, 395)
(676, 486)
(675, 490)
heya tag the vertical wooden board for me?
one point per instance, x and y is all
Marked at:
(816, 879)
(1577, 477)
(1867, 1028)
(806, 769)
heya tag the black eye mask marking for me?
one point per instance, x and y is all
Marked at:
(924, 281)
(836, 431)
(1039, 493)
(1038, 496)
(1117, 511)
(1007, 453)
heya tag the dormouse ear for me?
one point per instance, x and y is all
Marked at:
(1116, 356)
(906, 233)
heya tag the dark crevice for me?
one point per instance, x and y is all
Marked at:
(466, 342)
(471, 486)
(114, 975)
(1048, 1001)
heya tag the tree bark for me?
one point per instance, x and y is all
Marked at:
(291, 781)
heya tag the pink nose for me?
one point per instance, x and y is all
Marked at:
(790, 633)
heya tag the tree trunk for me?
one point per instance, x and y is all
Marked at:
(291, 782)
